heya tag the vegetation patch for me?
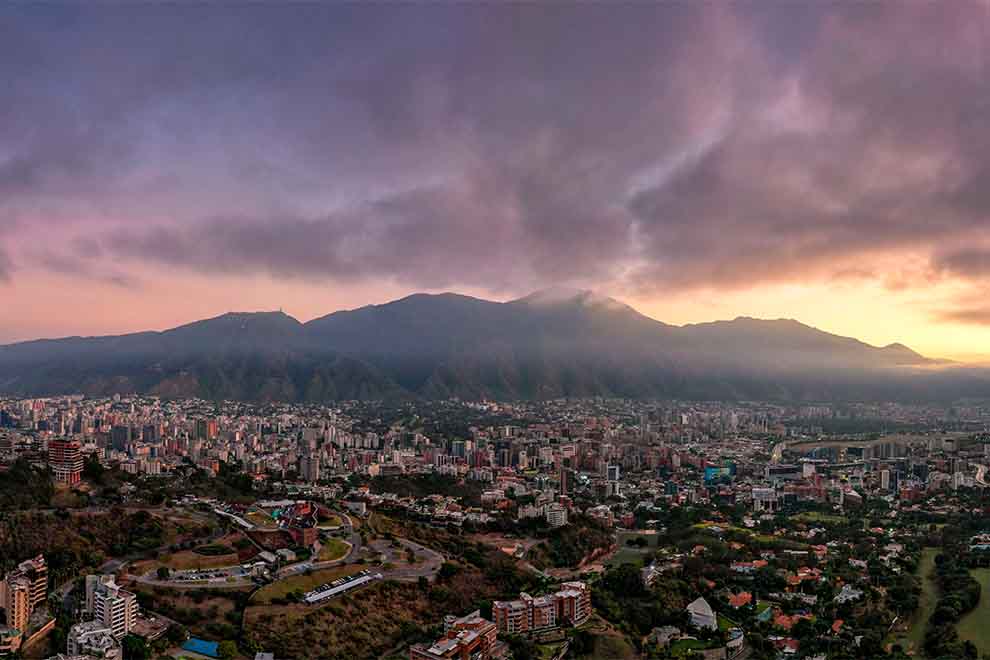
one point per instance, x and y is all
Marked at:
(375, 622)
(333, 549)
(262, 520)
(975, 626)
(292, 588)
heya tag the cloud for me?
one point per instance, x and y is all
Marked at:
(6, 266)
(76, 267)
(647, 147)
(967, 262)
(971, 316)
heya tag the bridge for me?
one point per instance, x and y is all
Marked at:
(804, 446)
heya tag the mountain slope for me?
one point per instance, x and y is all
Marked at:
(549, 344)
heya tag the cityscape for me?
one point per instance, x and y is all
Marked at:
(495, 330)
(141, 527)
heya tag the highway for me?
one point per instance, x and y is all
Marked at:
(895, 438)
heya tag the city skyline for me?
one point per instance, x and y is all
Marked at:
(827, 163)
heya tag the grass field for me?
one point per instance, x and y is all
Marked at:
(652, 539)
(725, 623)
(262, 520)
(333, 549)
(684, 647)
(215, 555)
(188, 560)
(333, 521)
(817, 516)
(302, 583)
(975, 626)
(626, 555)
(915, 637)
(547, 651)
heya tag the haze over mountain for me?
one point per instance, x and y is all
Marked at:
(549, 344)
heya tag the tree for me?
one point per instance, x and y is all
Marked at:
(93, 470)
(163, 573)
(227, 649)
(176, 634)
(135, 648)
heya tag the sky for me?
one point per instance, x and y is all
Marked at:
(828, 162)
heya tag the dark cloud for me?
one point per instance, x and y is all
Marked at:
(6, 266)
(503, 147)
(76, 267)
(966, 262)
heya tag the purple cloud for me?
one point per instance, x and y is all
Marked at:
(503, 147)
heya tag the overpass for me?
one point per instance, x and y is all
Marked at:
(803, 446)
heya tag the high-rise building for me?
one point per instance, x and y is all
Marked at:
(17, 601)
(566, 481)
(93, 582)
(36, 572)
(207, 429)
(613, 472)
(66, 461)
(115, 608)
(309, 467)
(120, 437)
(556, 515)
(151, 433)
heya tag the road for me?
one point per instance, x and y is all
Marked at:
(427, 565)
(981, 476)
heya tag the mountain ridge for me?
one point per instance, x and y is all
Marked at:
(548, 344)
(453, 295)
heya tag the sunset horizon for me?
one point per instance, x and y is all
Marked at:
(826, 163)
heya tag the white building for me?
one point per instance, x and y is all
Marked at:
(556, 515)
(702, 615)
(765, 499)
(93, 639)
(92, 582)
(115, 608)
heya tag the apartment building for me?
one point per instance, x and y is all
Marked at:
(17, 601)
(66, 460)
(467, 638)
(24, 589)
(114, 607)
(36, 571)
(556, 515)
(571, 605)
(93, 582)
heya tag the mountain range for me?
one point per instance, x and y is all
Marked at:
(553, 343)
